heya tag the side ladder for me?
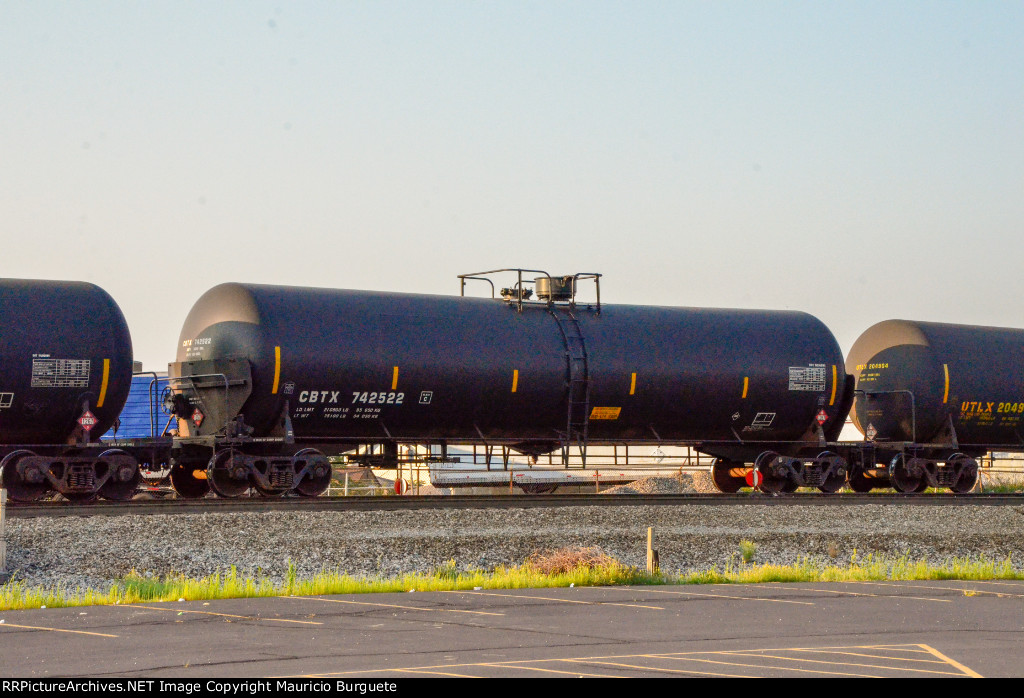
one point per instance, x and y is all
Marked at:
(578, 380)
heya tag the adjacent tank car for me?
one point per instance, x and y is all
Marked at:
(931, 398)
(270, 380)
(65, 372)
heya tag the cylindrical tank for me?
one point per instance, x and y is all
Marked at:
(64, 348)
(369, 365)
(916, 379)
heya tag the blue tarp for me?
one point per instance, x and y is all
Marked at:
(143, 414)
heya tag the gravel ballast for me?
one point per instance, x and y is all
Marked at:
(90, 552)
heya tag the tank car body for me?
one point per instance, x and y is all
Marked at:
(933, 397)
(330, 370)
(65, 372)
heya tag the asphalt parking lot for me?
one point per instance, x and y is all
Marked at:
(862, 629)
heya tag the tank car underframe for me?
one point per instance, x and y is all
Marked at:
(782, 466)
(229, 467)
(912, 468)
(775, 473)
(78, 473)
(907, 467)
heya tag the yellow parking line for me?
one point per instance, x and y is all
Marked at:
(670, 671)
(696, 656)
(770, 666)
(433, 673)
(856, 593)
(895, 648)
(953, 662)
(724, 596)
(222, 615)
(856, 664)
(922, 586)
(1016, 585)
(393, 605)
(53, 630)
(872, 656)
(550, 598)
(553, 671)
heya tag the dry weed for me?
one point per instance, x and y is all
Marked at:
(565, 560)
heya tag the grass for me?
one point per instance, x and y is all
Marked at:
(748, 549)
(561, 568)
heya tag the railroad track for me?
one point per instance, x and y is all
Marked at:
(259, 505)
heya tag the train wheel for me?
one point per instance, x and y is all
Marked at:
(227, 479)
(968, 478)
(20, 487)
(723, 480)
(318, 472)
(125, 476)
(903, 479)
(837, 477)
(771, 483)
(860, 483)
(790, 487)
(188, 479)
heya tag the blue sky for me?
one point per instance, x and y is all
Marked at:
(860, 161)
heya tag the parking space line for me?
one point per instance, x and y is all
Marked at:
(221, 615)
(870, 656)
(1017, 585)
(854, 664)
(970, 672)
(550, 598)
(769, 666)
(1002, 594)
(554, 671)
(895, 648)
(54, 630)
(432, 673)
(394, 605)
(723, 596)
(857, 593)
(662, 669)
(708, 657)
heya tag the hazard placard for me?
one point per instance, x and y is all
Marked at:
(198, 417)
(821, 417)
(88, 420)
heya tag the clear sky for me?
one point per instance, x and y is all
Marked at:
(857, 160)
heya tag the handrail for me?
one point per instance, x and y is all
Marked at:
(519, 299)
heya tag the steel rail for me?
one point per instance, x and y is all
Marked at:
(256, 505)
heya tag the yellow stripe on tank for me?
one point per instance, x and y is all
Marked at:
(945, 395)
(394, 378)
(515, 379)
(632, 385)
(835, 384)
(103, 385)
(746, 384)
(277, 370)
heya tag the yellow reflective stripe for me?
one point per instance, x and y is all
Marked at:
(394, 378)
(515, 379)
(632, 385)
(277, 369)
(945, 395)
(746, 384)
(103, 386)
(835, 384)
